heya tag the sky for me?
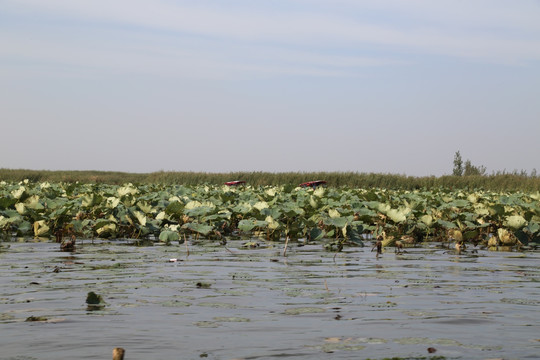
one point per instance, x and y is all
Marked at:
(382, 86)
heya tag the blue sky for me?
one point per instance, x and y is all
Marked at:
(381, 86)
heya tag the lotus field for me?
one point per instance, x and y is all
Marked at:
(335, 217)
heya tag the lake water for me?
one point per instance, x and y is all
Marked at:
(238, 303)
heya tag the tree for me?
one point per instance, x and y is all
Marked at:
(458, 165)
(470, 169)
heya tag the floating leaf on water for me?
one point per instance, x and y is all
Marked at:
(304, 310)
(218, 305)
(206, 324)
(175, 303)
(94, 299)
(231, 319)
(36, 318)
(518, 301)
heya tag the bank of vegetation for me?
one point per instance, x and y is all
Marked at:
(216, 212)
(501, 181)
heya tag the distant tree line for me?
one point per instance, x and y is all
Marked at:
(468, 169)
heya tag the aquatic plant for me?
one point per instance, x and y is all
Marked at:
(333, 216)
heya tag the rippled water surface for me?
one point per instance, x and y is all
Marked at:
(238, 303)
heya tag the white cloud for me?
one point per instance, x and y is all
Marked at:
(320, 38)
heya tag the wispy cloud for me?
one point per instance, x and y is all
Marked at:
(316, 38)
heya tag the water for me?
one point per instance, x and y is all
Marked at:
(238, 303)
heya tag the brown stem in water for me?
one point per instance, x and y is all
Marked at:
(185, 243)
(285, 249)
(118, 354)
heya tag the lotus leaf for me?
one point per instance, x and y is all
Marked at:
(248, 225)
(19, 193)
(338, 222)
(272, 224)
(6, 202)
(168, 236)
(333, 213)
(21, 208)
(398, 215)
(129, 189)
(175, 208)
(198, 228)
(319, 192)
(261, 205)
(515, 222)
(427, 219)
(106, 230)
(447, 224)
(140, 217)
(40, 228)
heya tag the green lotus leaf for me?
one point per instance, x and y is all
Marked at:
(272, 224)
(193, 204)
(469, 235)
(533, 227)
(316, 234)
(168, 235)
(107, 230)
(248, 225)
(19, 193)
(161, 216)
(481, 209)
(383, 208)
(90, 200)
(398, 215)
(427, 219)
(175, 208)
(32, 202)
(447, 224)
(515, 222)
(338, 222)
(199, 228)
(459, 203)
(112, 202)
(354, 233)
(242, 208)
(129, 189)
(6, 202)
(333, 213)
(271, 192)
(140, 217)
(145, 207)
(199, 211)
(319, 192)
(54, 204)
(21, 208)
(292, 210)
(24, 228)
(261, 205)
(40, 228)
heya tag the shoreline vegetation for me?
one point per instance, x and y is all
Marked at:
(501, 181)
(394, 210)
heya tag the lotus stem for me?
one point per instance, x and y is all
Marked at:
(185, 243)
(285, 249)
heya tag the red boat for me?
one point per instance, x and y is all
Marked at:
(235, 183)
(313, 184)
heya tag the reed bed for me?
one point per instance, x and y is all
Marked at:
(495, 182)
